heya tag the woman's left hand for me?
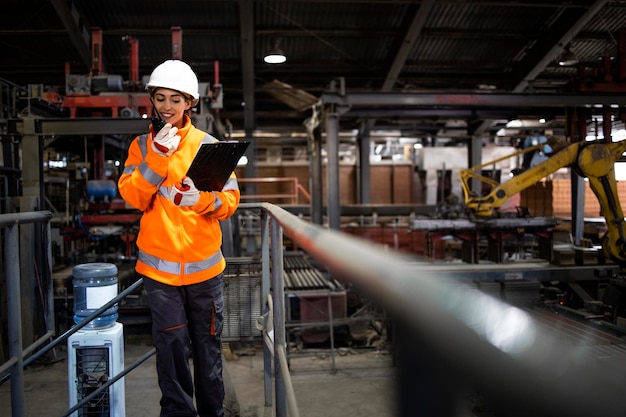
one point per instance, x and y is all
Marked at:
(185, 193)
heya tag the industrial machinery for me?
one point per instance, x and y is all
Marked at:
(592, 160)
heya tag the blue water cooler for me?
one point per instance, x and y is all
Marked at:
(95, 284)
(96, 352)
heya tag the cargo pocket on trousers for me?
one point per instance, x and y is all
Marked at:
(217, 319)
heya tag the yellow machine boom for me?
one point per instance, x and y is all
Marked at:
(592, 160)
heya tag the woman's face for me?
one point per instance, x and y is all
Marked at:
(171, 104)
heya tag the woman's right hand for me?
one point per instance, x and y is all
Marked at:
(166, 141)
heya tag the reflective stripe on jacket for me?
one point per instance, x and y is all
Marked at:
(177, 245)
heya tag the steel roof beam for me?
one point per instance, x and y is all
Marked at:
(557, 49)
(407, 44)
(84, 126)
(79, 36)
(463, 100)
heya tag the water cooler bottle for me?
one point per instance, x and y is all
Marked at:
(96, 352)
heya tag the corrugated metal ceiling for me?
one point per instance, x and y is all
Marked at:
(457, 45)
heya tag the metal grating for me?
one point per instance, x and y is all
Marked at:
(521, 293)
(243, 290)
(300, 274)
(242, 298)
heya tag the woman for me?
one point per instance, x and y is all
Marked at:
(179, 244)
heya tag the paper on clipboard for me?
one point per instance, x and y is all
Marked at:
(214, 163)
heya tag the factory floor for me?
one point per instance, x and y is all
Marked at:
(350, 382)
(345, 381)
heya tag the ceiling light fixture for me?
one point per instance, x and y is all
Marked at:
(568, 58)
(275, 55)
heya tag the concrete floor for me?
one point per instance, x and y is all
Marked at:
(357, 382)
(351, 382)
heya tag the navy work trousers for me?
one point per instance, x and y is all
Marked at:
(188, 320)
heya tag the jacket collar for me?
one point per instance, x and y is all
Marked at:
(183, 131)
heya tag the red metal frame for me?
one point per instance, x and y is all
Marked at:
(114, 104)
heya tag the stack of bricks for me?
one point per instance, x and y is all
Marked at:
(562, 198)
(538, 199)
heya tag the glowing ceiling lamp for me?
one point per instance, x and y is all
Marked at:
(275, 55)
(568, 58)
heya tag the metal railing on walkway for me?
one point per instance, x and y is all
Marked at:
(15, 363)
(454, 338)
(20, 357)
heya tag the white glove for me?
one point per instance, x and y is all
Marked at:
(166, 141)
(185, 193)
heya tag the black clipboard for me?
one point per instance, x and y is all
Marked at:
(214, 163)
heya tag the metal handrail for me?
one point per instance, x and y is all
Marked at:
(281, 351)
(478, 339)
(76, 327)
(12, 258)
(13, 368)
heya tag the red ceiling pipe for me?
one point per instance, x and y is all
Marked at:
(134, 59)
(98, 157)
(96, 51)
(216, 83)
(177, 42)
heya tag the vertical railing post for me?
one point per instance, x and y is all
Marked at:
(47, 262)
(265, 291)
(12, 256)
(331, 324)
(278, 301)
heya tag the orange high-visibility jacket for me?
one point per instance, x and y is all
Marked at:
(177, 245)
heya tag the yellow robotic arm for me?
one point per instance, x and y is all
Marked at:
(596, 161)
(593, 160)
(500, 193)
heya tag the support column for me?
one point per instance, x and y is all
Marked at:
(474, 158)
(332, 170)
(31, 200)
(363, 173)
(577, 130)
(316, 180)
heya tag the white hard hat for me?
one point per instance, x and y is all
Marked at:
(175, 75)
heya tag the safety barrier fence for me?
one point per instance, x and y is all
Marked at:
(452, 338)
